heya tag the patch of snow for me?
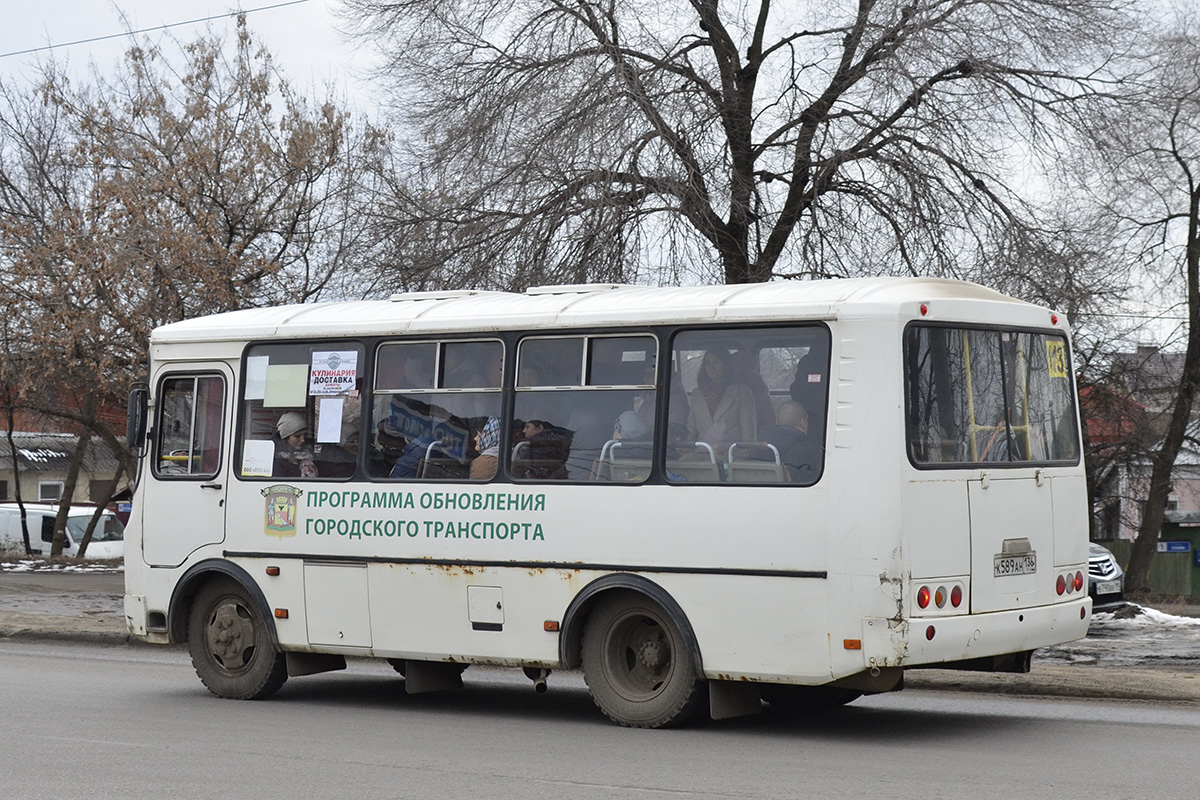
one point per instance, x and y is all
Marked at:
(37, 565)
(1132, 615)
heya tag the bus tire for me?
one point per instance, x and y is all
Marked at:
(798, 699)
(637, 665)
(230, 644)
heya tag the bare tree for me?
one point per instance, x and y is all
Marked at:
(187, 183)
(1147, 179)
(588, 139)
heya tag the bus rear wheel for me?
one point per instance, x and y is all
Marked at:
(637, 665)
(230, 644)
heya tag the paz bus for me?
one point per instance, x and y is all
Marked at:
(705, 498)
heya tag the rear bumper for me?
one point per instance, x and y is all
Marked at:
(937, 640)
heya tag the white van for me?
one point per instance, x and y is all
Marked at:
(108, 540)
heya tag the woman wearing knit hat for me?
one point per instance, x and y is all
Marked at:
(293, 458)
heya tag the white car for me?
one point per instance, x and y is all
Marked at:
(108, 539)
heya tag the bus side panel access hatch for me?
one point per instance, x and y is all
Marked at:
(336, 605)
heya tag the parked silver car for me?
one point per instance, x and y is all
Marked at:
(1106, 579)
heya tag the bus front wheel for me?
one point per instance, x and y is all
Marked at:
(230, 644)
(637, 665)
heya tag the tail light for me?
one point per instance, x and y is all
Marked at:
(935, 598)
(1069, 583)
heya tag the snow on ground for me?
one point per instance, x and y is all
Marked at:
(41, 565)
(1131, 615)
(1132, 635)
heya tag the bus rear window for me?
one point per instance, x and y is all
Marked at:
(985, 395)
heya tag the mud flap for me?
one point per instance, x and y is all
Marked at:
(728, 699)
(432, 676)
(311, 663)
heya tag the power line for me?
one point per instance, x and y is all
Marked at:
(149, 30)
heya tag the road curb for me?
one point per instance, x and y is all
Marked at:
(89, 637)
(1074, 682)
(1044, 680)
(93, 628)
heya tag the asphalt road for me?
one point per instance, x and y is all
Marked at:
(99, 722)
(1126, 655)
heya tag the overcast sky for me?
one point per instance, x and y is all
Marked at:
(303, 35)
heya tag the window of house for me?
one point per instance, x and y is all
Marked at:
(50, 491)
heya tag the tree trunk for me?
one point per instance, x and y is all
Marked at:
(99, 512)
(72, 479)
(12, 449)
(1146, 544)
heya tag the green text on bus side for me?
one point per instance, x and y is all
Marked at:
(433, 529)
(466, 501)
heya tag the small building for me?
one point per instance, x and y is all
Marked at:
(41, 462)
(1125, 485)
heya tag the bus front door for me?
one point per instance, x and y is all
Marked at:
(185, 509)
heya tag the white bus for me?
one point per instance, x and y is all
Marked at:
(705, 498)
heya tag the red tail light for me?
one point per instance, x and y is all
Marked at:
(1079, 581)
(923, 597)
(1061, 585)
(956, 596)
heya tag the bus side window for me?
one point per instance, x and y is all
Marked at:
(748, 405)
(300, 408)
(429, 400)
(584, 408)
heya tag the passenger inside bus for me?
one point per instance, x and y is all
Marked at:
(723, 409)
(799, 454)
(340, 459)
(630, 427)
(409, 463)
(487, 444)
(745, 371)
(809, 386)
(542, 453)
(293, 456)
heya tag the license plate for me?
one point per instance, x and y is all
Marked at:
(1025, 564)
(1108, 587)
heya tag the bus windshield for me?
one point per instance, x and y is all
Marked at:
(986, 395)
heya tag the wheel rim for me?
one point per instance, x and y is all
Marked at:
(638, 656)
(230, 636)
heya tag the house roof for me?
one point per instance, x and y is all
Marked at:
(1110, 417)
(51, 452)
